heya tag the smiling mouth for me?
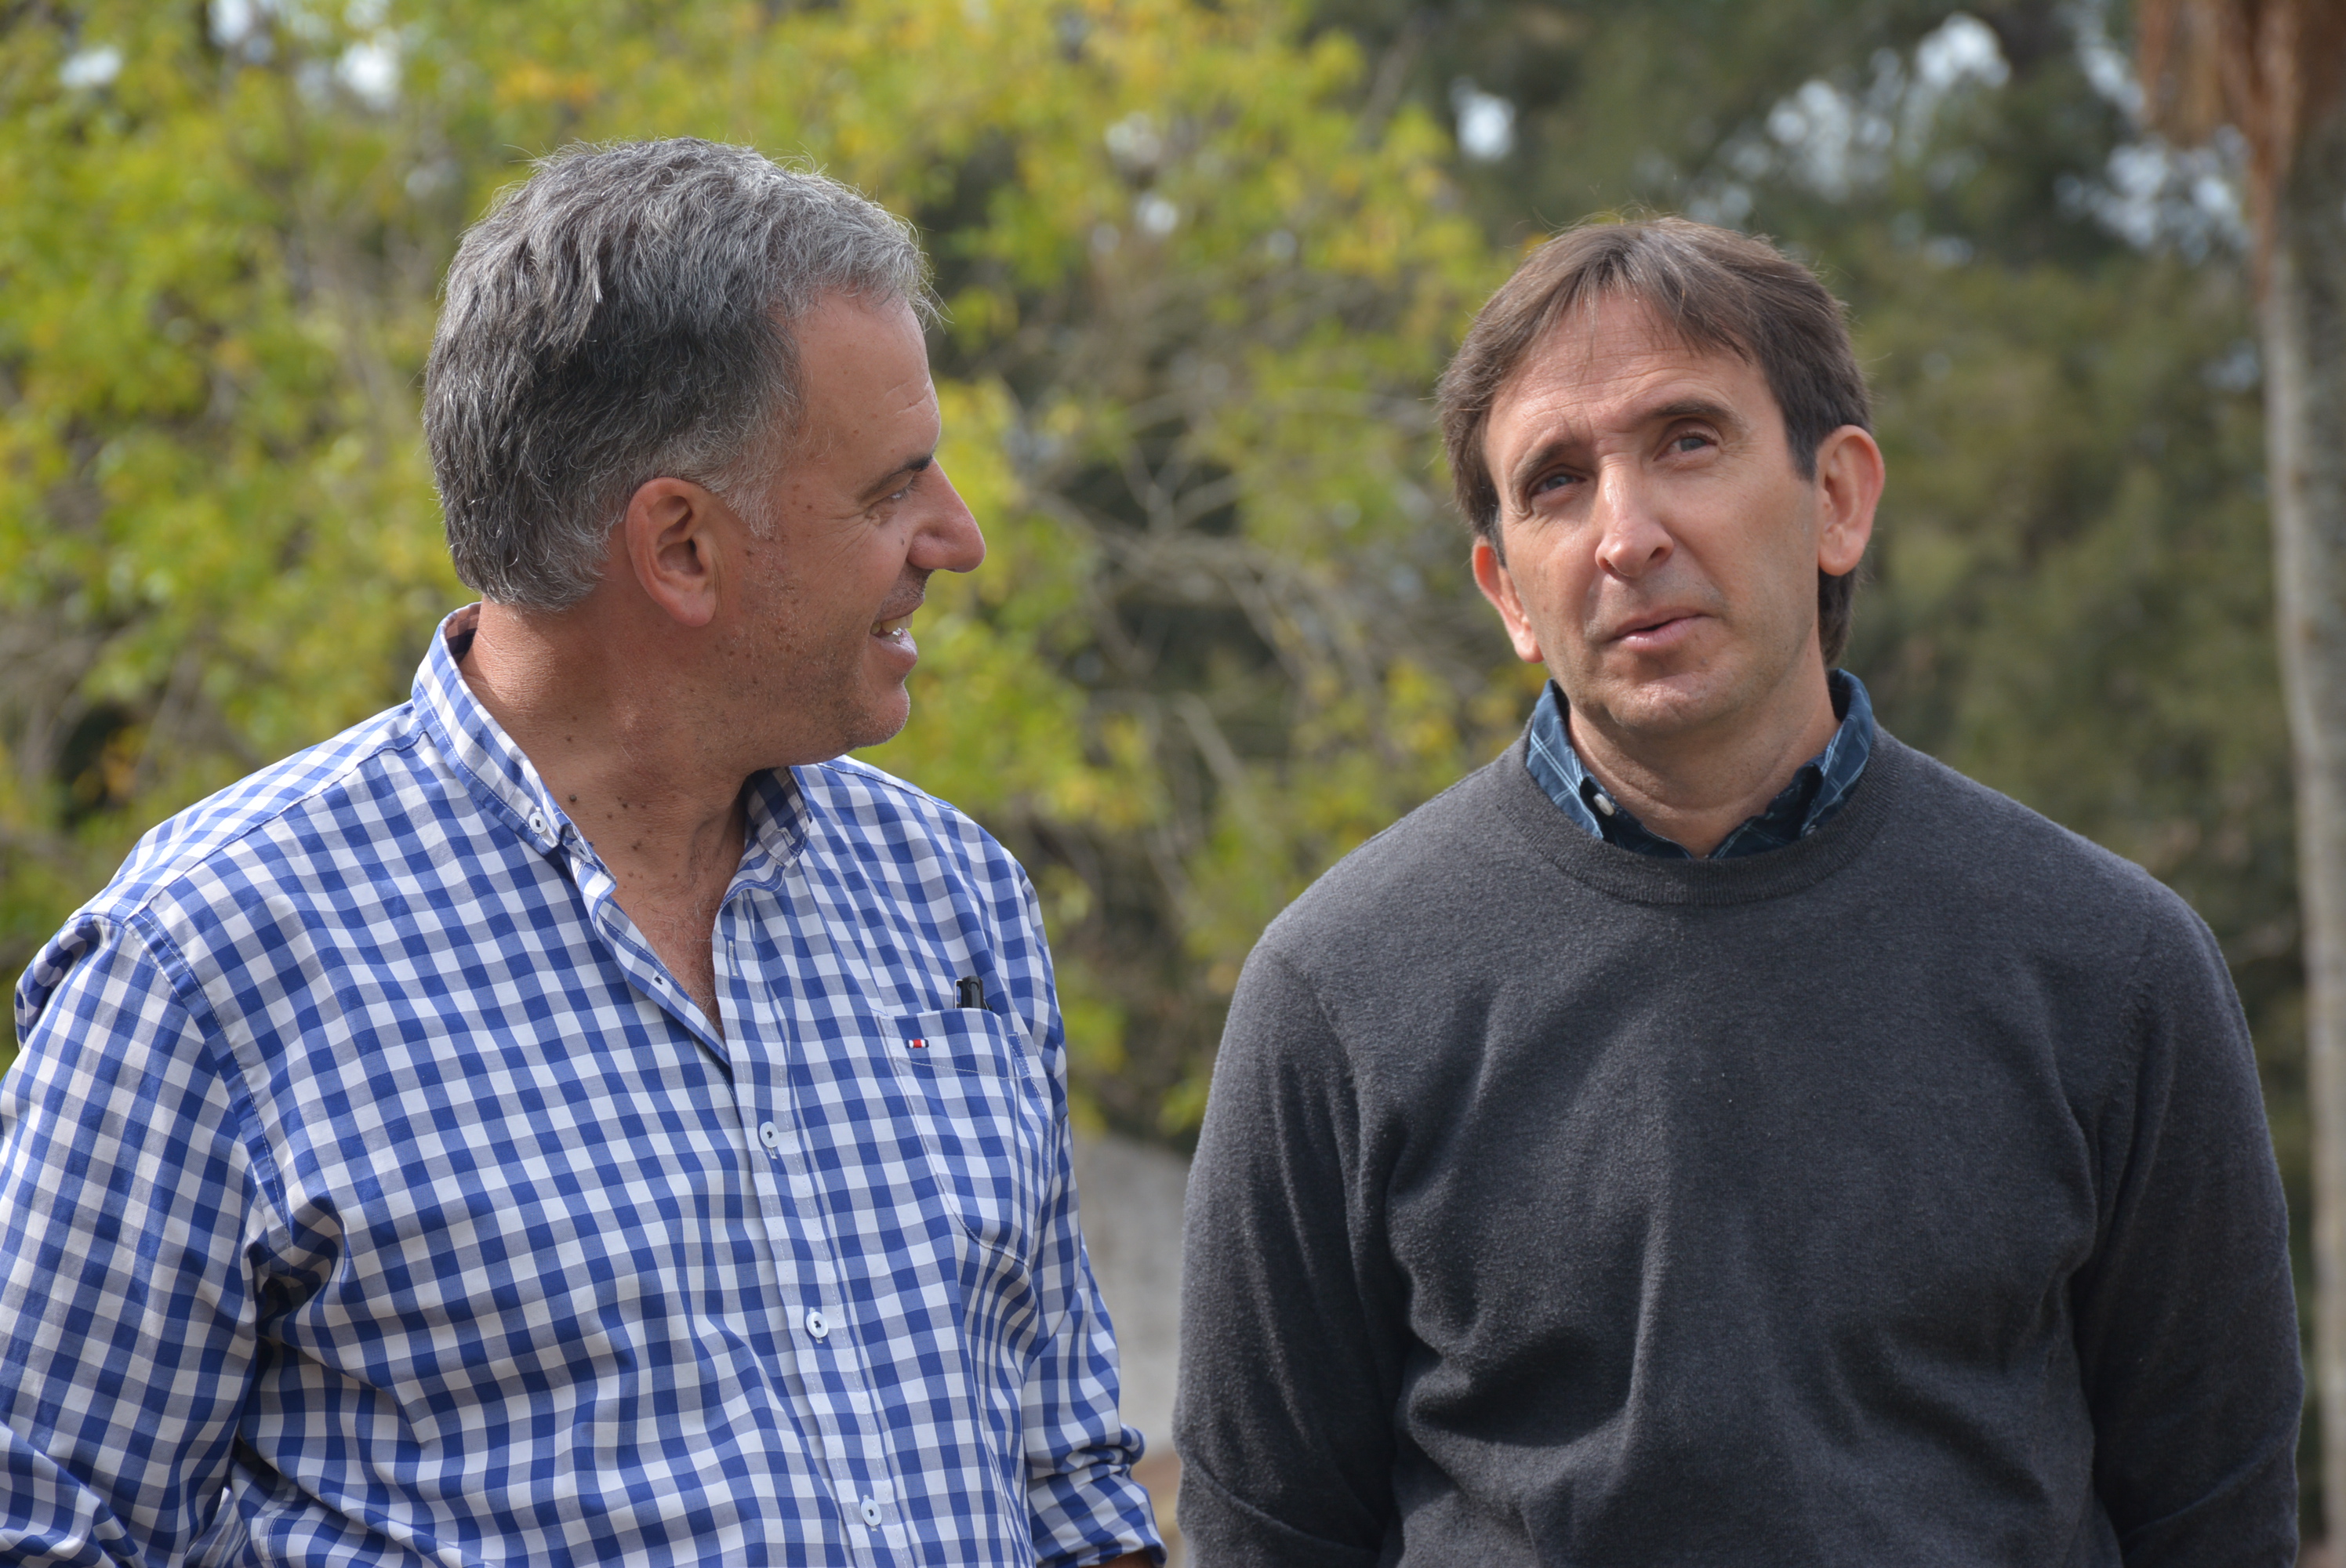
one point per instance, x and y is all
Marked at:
(894, 629)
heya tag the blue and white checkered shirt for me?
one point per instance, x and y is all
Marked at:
(372, 1193)
(1817, 792)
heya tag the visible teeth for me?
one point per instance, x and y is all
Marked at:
(890, 628)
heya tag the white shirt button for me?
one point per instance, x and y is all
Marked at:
(538, 821)
(872, 1514)
(769, 1135)
(818, 1325)
(1604, 804)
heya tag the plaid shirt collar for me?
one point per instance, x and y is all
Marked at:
(1819, 789)
(508, 784)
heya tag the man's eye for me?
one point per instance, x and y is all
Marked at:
(1690, 442)
(1553, 481)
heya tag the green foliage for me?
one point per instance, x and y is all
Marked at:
(1203, 262)
(1197, 294)
(215, 544)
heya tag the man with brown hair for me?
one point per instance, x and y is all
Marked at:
(1715, 1131)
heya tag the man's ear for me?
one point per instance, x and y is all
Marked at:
(1849, 477)
(1498, 586)
(671, 536)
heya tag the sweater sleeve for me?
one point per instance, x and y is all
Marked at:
(1292, 1315)
(2186, 1318)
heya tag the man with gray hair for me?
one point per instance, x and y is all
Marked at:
(576, 1115)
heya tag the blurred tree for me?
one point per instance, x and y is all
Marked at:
(2271, 71)
(214, 543)
(1196, 297)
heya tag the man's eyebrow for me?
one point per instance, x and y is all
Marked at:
(888, 480)
(1548, 452)
(1696, 408)
(1540, 458)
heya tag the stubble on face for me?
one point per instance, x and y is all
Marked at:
(807, 658)
(855, 518)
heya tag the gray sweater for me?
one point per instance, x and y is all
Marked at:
(1902, 1196)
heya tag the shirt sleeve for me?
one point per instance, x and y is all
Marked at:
(1084, 1506)
(1292, 1314)
(2185, 1317)
(127, 1314)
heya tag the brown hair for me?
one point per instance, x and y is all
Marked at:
(1718, 291)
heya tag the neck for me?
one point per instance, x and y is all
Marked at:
(1696, 786)
(631, 767)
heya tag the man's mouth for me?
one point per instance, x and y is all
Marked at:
(1653, 628)
(893, 630)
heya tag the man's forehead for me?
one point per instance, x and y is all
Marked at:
(1613, 349)
(863, 366)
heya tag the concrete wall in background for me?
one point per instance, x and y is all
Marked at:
(1131, 1203)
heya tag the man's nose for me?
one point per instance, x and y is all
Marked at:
(948, 539)
(1631, 540)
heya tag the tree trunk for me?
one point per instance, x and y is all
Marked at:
(2305, 330)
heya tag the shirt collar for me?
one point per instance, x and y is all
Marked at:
(1816, 792)
(1555, 765)
(504, 782)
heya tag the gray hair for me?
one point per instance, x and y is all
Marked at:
(625, 316)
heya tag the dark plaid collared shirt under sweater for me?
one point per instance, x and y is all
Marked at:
(1817, 790)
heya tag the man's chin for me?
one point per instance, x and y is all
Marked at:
(880, 735)
(881, 722)
(875, 724)
(1657, 707)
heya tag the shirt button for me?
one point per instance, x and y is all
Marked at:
(538, 821)
(769, 1135)
(871, 1514)
(1604, 804)
(818, 1325)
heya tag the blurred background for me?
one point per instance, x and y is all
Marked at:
(1203, 259)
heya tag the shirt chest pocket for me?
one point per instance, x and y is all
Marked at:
(983, 1121)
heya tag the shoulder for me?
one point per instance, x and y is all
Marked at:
(302, 804)
(290, 833)
(879, 817)
(1982, 865)
(1967, 845)
(855, 795)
